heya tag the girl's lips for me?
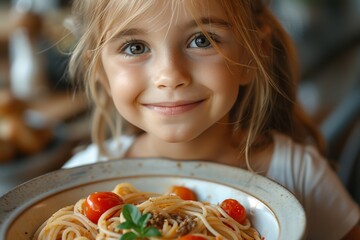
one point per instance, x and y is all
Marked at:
(173, 108)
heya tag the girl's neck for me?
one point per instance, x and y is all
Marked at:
(217, 144)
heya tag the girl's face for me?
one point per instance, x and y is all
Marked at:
(166, 78)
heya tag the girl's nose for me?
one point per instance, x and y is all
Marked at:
(172, 73)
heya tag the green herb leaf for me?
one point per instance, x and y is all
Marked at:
(131, 213)
(138, 223)
(144, 219)
(152, 232)
(129, 236)
(126, 225)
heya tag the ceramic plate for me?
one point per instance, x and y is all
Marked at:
(273, 210)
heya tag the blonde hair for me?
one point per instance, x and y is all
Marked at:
(268, 103)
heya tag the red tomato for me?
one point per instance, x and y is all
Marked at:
(184, 193)
(99, 202)
(234, 209)
(191, 237)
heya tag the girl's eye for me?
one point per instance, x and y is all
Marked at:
(134, 48)
(200, 41)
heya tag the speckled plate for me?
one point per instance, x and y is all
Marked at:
(273, 210)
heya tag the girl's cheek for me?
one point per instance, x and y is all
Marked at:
(127, 84)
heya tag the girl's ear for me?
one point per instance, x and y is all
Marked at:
(248, 74)
(102, 79)
(265, 36)
(100, 75)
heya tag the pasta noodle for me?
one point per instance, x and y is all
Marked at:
(173, 216)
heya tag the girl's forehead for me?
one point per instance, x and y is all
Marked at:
(138, 6)
(123, 14)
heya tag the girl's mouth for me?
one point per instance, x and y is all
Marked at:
(173, 108)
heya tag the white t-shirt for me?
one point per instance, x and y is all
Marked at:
(330, 211)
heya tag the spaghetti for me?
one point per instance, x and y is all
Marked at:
(171, 215)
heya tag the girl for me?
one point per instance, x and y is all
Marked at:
(207, 79)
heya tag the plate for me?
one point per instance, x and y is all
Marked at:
(272, 209)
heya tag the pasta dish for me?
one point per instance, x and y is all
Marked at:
(127, 213)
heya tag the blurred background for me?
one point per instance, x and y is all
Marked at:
(42, 121)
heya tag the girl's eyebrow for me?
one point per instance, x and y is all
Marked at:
(211, 21)
(127, 32)
(204, 20)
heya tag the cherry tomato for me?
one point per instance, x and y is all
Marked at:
(184, 193)
(191, 237)
(234, 209)
(99, 202)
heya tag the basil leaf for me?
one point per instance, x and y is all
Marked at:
(144, 219)
(136, 222)
(129, 236)
(152, 232)
(131, 213)
(135, 214)
(126, 211)
(126, 225)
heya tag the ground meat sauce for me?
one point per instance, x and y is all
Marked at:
(186, 223)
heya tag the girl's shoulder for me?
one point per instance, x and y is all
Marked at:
(289, 153)
(307, 174)
(91, 154)
(293, 163)
(299, 167)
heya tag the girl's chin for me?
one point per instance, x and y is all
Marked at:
(175, 137)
